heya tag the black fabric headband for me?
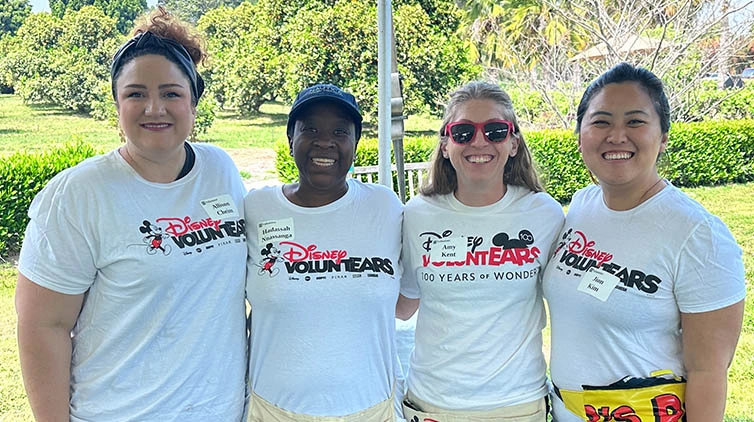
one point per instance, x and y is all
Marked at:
(150, 41)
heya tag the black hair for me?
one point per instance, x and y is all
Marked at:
(625, 72)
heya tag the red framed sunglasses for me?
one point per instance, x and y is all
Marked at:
(495, 131)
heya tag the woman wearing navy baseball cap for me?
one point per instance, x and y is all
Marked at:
(323, 276)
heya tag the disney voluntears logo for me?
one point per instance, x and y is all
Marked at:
(309, 259)
(453, 258)
(577, 254)
(183, 233)
(444, 249)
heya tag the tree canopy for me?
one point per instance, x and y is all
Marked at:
(123, 11)
(541, 51)
(271, 50)
(12, 15)
(193, 10)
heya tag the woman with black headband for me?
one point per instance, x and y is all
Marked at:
(474, 246)
(130, 292)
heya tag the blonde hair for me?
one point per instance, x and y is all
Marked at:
(519, 169)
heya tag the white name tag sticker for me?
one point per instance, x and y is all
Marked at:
(598, 283)
(275, 231)
(220, 207)
(448, 249)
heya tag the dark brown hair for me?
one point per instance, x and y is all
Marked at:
(161, 23)
(162, 34)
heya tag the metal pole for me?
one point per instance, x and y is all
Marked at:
(384, 33)
(396, 119)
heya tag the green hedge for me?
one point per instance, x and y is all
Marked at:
(710, 153)
(21, 177)
(703, 153)
(558, 162)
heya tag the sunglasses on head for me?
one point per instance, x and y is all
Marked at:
(494, 131)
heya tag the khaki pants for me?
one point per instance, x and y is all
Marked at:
(535, 411)
(260, 410)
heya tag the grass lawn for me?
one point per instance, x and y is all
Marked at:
(250, 141)
(33, 128)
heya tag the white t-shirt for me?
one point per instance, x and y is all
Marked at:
(323, 283)
(669, 255)
(481, 314)
(161, 334)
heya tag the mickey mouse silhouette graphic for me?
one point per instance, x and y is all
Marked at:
(525, 238)
(154, 238)
(565, 239)
(270, 256)
(416, 419)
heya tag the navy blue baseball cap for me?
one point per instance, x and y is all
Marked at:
(325, 92)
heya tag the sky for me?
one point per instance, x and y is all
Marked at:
(44, 5)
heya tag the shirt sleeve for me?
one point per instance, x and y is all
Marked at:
(55, 253)
(552, 222)
(710, 269)
(409, 284)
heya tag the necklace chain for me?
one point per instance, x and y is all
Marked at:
(644, 196)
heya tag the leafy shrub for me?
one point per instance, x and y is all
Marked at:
(707, 102)
(703, 153)
(246, 61)
(103, 106)
(558, 162)
(61, 61)
(709, 153)
(284, 164)
(546, 110)
(205, 116)
(271, 49)
(22, 176)
(698, 154)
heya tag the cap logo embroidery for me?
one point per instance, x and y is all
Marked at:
(324, 88)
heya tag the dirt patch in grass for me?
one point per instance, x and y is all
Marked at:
(257, 163)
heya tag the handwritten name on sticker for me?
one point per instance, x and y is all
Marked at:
(598, 283)
(220, 207)
(275, 231)
(448, 249)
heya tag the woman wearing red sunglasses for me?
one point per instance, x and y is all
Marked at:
(475, 243)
